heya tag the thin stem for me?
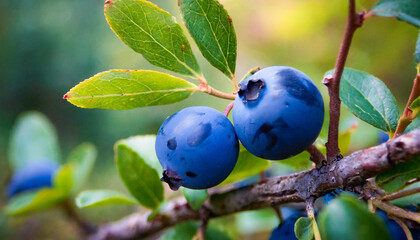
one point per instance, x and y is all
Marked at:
(311, 214)
(251, 72)
(404, 227)
(201, 232)
(84, 226)
(279, 214)
(408, 115)
(354, 21)
(235, 85)
(396, 211)
(316, 156)
(228, 108)
(214, 92)
(401, 194)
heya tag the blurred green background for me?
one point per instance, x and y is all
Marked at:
(48, 46)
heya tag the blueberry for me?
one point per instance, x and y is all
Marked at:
(330, 196)
(197, 148)
(383, 137)
(34, 175)
(286, 230)
(278, 112)
(397, 233)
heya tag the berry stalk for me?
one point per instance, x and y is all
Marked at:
(354, 21)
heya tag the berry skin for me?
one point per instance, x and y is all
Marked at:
(397, 233)
(383, 137)
(35, 175)
(278, 112)
(286, 230)
(197, 148)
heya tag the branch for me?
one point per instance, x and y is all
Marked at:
(316, 156)
(346, 173)
(401, 194)
(354, 21)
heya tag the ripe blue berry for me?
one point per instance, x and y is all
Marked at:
(383, 137)
(197, 148)
(278, 112)
(397, 233)
(35, 175)
(286, 230)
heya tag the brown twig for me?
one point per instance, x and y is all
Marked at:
(349, 172)
(401, 194)
(408, 115)
(354, 21)
(85, 227)
(396, 211)
(316, 156)
(404, 227)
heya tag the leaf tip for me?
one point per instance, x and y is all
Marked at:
(109, 3)
(66, 96)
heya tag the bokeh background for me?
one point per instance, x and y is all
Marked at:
(48, 46)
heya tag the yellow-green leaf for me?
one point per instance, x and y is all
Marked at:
(100, 198)
(124, 89)
(35, 201)
(152, 32)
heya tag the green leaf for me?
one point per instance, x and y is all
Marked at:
(417, 51)
(415, 104)
(63, 179)
(347, 218)
(298, 162)
(35, 201)
(123, 89)
(250, 222)
(81, 159)
(394, 179)
(195, 198)
(344, 138)
(33, 138)
(246, 166)
(158, 210)
(100, 198)
(303, 229)
(138, 175)
(404, 10)
(152, 32)
(413, 125)
(186, 231)
(212, 29)
(408, 200)
(369, 99)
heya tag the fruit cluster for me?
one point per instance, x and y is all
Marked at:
(278, 112)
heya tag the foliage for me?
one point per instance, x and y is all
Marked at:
(155, 34)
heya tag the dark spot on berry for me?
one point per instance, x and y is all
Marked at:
(229, 136)
(271, 138)
(251, 89)
(191, 174)
(296, 87)
(199, 134)
(172, 179)
(182, 159)
(201, 113)
(171, 143)
(280, 122)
